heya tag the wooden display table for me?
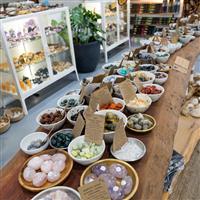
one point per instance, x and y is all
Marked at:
(153, 166)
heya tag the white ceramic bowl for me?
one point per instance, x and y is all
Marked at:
(64, 131)
(106, 65)
(172, 47)
(72, 192)
(67, 97)
(144, 55)
(162, 57)
(178, 45)
(57, 125)
(79, 140)
(108, 136)
(26, 141)
(161, 81)
(141, 109)
(117, 100)
(111, 78)
(155, 97)
(150, 75)
(152, 71)
(185, 39)
(74, 111)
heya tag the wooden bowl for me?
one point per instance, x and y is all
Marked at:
(152, 119)
(4, 128)
(64, 174)
(130, 169)
(9, 112)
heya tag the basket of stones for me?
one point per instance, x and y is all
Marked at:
(15, 114)
(4, 123)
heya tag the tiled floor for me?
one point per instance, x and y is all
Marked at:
(9, 142)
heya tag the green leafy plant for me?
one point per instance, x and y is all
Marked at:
(85, 26)
(61, 29)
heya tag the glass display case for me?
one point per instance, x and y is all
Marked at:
(115, 22)
(39, 49)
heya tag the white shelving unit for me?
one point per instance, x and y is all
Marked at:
(115, 22)
(26, 42)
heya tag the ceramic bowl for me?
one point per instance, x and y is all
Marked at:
(150, 76)
(144, 66)
(155, 97)
(70, 191)
(161, 81)
(72, 92)
(142, 108)
(64, 131)
(149, 117)
(116, 100)
(108, 136)
(54, 126)
(76, 97)
(106, 68)
(111, 78)
(162, 57)
(74, 111)
(79, 140)
(185, 39)
(26, 141)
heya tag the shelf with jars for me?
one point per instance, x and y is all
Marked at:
(39, 50)
(115, 22)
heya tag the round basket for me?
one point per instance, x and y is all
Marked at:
(4, 128)
(9, 112)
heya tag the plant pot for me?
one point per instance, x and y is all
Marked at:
(87, 56)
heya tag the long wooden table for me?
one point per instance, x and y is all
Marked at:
(153, 166)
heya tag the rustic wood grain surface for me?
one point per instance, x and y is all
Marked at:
(153, 166)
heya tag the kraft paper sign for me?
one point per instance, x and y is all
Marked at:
(127, 90)
(164, 41)
(94, 129)
(96, 190)
(164, 33)
(83, 93)
(120, 79)
(138, 83)
(108, 85)
(98, 79)
(102, 96)
(88, 112)
(181, 64)
(111, 71)
(174, 38)
(120, 137)
(79, 126)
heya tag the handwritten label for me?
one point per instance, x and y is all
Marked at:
(94, 129)
(127, 90)
(98, 78)
(88, 112)
(120, 137)
(181, 64)
(164, 41)
(174, 38)
(138, 83)
(79, 126)
(95, 190)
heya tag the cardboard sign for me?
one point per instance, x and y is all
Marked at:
(88, 112)
(108, 85)
(127, 90)
(164, 41)
(83, 93)
(98, 79)
(185, 31)
(181, 64)
(150, 49)
(156, 38)
(174, 38)
(94, 129)
(102, 96)
(120, 79)
(138, 83)
(96, 190)
(79, 126)
(111, 71)
(120, 137)
(164, 33)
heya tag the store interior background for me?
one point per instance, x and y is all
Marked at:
(47, 98)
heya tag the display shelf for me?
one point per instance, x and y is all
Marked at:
(148, 10)
(115, 22)
(34, 56)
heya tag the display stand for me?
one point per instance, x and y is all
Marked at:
(39, 50)
(115, 22)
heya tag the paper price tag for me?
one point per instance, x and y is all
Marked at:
(181, 64)
(79, 126)
(96, 190)
(120, 137)
(98, 79)
(94, 129)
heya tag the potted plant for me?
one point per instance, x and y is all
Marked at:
(87, 37)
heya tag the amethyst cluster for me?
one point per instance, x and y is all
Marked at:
(30, 32)
(115, 177)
